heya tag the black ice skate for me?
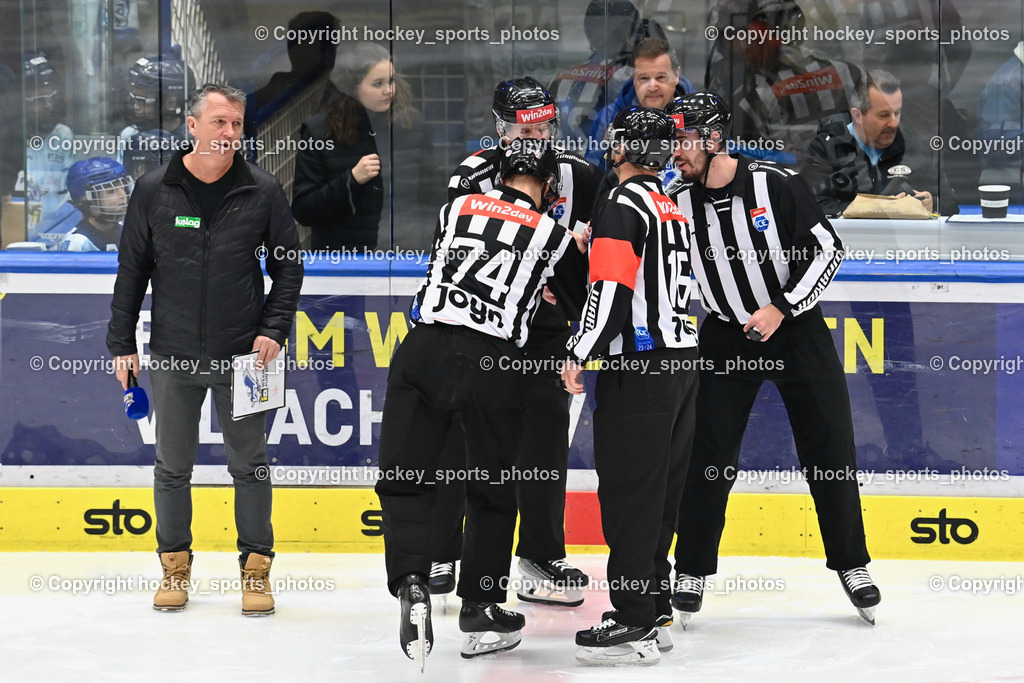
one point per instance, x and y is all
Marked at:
(862, 591)
(415, 631)
(613, 644)
(442, 578)
(688, 596)
(441, 582)
(554, 582)
(664, 625)
(489, 628)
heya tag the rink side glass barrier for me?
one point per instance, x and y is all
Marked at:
(931, 350)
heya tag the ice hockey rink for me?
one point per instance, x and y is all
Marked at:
(783, 619)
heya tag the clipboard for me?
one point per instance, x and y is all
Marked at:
(255, 391)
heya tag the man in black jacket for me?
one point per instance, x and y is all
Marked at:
(871, 155)
(196, 229)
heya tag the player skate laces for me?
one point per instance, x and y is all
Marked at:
(442, 569)
(605, 626)
(563, 572)
(612, 632)
(493, 609)
(561, 565)
(857, 578)
(688, 583)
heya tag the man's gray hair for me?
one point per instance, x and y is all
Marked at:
(876, 78)
(197, 102)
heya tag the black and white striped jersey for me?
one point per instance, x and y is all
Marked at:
(581, 92)
(639, 292)
(492, 255)
(764, 241)
(789, 103)
(580, 179)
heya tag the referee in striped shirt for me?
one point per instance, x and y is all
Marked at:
(637, 317)
(492, 255)
(762, 254)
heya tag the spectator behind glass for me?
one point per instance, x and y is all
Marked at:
(344, 187)
(99, 188)
(46, 164)
(657, 80)
(155, 95)
(612, 28)
(930, 70)
(779, 90)
(1002, 121)
(874, 155)
(10, 129)
(309, 59)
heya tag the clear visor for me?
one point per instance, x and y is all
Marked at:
(42, 96)
(109, 200)
(140, 100)
(694, 138)
(544, 130)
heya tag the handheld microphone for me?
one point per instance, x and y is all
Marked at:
(136, 403)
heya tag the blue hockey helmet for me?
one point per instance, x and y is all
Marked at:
(101, 187)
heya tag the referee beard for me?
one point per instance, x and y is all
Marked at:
(763, 323)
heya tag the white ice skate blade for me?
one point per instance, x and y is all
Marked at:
(533, 589)
(683, 618)
(665, 642)
(867, 614)
(440, 601)
(486, 642)
(418, 649)
(637, 653)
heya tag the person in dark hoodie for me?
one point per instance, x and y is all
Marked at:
(343, 188)
(657, 80)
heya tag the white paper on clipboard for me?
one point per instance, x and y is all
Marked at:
(255, 391)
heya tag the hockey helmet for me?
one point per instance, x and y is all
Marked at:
(100, 186)
(534, 158)
(703, 112)
(149, 150)
(646, 136)
(523, 101)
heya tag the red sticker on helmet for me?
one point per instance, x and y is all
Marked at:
(538, 115)
(678, 118)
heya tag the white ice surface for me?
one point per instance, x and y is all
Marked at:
(808, 631)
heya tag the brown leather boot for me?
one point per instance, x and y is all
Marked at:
(172, 596)
(257, 600)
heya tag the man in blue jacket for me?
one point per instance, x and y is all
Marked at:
(657, 79)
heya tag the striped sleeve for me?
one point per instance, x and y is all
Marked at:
(816, 249)
(617, 243)
(475, 175)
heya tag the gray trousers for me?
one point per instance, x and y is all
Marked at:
(178, 396)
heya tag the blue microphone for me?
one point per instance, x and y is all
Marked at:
(136, 403)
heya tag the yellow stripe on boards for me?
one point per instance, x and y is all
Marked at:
(349, 520)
